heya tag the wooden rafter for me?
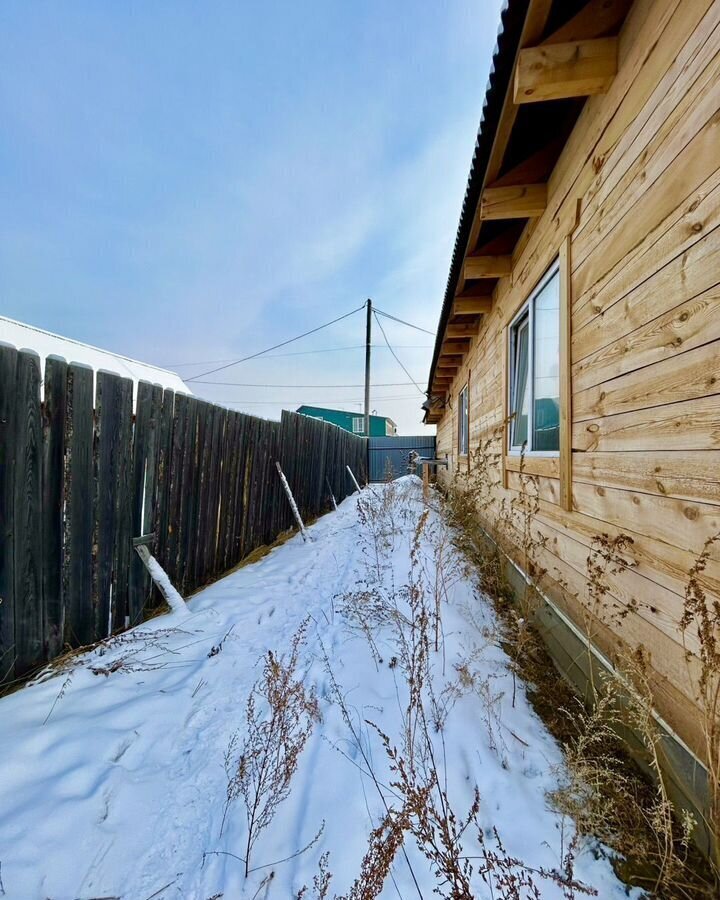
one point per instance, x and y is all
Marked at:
(533, 28)
(598, 18)
(460, 331)
(467, 306)
(522, 201)
(486, 266)
(559, 71)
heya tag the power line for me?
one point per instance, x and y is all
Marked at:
(402, 321)
(247, 384)
(305, 402)
(276, 346)
(397, 358)
(207, 362)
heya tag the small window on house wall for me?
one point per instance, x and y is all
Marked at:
(463, 422)
(358, 424)
(534, 369)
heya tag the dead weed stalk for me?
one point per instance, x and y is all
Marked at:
(280, 714)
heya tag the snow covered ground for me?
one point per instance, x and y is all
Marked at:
(112, 773)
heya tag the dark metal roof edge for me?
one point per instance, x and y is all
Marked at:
(512, 19)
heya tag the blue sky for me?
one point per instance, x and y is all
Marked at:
(188, 182)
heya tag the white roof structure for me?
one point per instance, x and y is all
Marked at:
(45, 343)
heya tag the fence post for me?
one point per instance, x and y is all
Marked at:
(291, 500)
(8, 419)
(354, 479)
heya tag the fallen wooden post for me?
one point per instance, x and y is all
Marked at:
(291, 500)
(355, 482)
(159, 575)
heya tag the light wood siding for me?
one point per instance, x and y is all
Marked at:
(643, 162)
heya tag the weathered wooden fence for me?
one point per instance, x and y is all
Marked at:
(86, 470)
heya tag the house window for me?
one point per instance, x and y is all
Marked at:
(463, 422)
(358, 424)
(534, 368)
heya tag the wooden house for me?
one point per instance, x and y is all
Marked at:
(579, 339)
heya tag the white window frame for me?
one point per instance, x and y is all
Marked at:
(355, 420)
(529, 308)
(464, 431)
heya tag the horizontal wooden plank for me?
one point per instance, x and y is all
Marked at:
(691, 324)
(687, 376)
(697, 216)
(453, 331)
(686, 277)
(572, 69)
(534, 465)
(662, 563)
(637, 627)
(691, 425)
(687, 475)
(680, 523)
(643, 79)
(520, 201)
(642, 155)
(628, 589)
(487, 266)
(617, 234)
(471, 306)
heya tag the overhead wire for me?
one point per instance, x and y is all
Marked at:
(397, 358)
(277, 346)
(402, 321)
(207, 362)
(254, 385)
(306, 402)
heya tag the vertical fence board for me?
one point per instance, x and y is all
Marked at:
(123, 510)
(30, 618)
(188, 538)
(108, 400)
(79, 499)
(239, 513)
(175, 478)
(161, 519)
(140, 461)
(8, 420)
(53, 421)
(227, 495)
(210, 524)
(201, 517)
(219, 489)
(196, 489)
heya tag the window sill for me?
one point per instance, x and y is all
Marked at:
(548, 466)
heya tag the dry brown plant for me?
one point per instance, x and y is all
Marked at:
(703, 613)
(416, 800)
(280, 714)
(603, 790)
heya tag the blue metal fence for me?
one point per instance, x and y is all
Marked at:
(388, 456)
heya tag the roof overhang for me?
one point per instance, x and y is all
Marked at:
(549, 57)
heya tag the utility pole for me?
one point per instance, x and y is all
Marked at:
(368, 337)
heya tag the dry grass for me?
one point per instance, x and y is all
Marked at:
(280, 715)
(603, 791)
(417, 805)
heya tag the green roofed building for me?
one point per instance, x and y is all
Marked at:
(380, 426)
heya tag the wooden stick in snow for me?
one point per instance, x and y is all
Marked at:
(162, 582)
(291, 499)
(332, 496)
(354, 479)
